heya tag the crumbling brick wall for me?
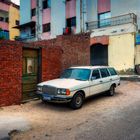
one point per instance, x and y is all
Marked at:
(10, 73)
(57, 55)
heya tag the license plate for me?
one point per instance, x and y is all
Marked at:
(47, 98)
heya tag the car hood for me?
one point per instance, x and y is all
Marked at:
(65, 83)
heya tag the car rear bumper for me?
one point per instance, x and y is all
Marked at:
(53, 98)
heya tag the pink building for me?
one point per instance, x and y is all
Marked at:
(7, 20)
(47, 18)
(4, 18)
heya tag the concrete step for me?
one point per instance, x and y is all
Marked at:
(130, 78)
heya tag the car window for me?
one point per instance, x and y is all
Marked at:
(95, 74)
(112, 71)
(104, 73)
(76, 73)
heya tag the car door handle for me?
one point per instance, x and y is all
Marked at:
(101, 81)
(110, 79)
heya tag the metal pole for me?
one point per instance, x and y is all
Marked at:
(81, 16)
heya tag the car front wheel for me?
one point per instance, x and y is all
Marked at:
(77, 101)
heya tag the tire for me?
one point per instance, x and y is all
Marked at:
(77, 101)
(44, 101)
(111, 91)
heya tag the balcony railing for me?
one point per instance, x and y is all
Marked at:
(114, 21)
(4, 34)
(25, 38)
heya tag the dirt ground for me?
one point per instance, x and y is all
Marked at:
(101, 117)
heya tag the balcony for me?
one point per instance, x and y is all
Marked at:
(25, 38)
(114, 21)
(4, 34)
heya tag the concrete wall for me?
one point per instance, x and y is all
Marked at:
(121, 51)
(46, 16)
(58, 17)
(118, 7)
(71, 9)
(137, 50)
(13, 16)
(25, 11)
(92, 10)
(4, 7)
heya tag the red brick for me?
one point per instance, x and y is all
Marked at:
(57, 55)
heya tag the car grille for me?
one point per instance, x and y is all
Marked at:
(49, 90)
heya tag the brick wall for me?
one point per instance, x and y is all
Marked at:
(51, 63)
(57, 55)
(76, 50)
(72, 50)
(10, 73)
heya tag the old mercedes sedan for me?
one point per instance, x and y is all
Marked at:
(77, 83)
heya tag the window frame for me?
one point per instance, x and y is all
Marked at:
(45, 4)
(106, 70)
(48, 29)
(33, 12)
(105, 21)
(114, 72)
(70, 22)
(99, 74)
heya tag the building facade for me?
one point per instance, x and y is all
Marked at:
(115, 28)
(46, 19)
(9, 17)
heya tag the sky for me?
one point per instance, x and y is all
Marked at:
(16, 1)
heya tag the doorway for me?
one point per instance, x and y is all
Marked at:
(99, 55)
(30, 77)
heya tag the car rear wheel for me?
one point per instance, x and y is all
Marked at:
(112, 90)
(44, 101)
(77, 101)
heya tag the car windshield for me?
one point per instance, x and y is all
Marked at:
(78, 74)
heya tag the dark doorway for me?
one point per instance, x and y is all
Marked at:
(30, 77)
(99, 55)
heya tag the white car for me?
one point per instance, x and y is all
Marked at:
(77, 83)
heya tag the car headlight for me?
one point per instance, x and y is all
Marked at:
(39, 88)
(61, 91)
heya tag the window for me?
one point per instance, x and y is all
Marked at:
(78, 74)
(46, 4)
(95, 74)
(104, 19)
(1, 19)
(104, 73)
(71, 22)
(46, 27)
(33, 31)
(112, 71)
(29, 65)
(33, 12)
(17, 22)
(7, 19)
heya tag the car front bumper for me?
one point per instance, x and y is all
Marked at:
(53, 98)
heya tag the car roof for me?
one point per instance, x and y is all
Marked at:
(89, 67)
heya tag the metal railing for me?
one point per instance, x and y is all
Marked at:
(4, 34)
(24, 38)
(114, 21)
